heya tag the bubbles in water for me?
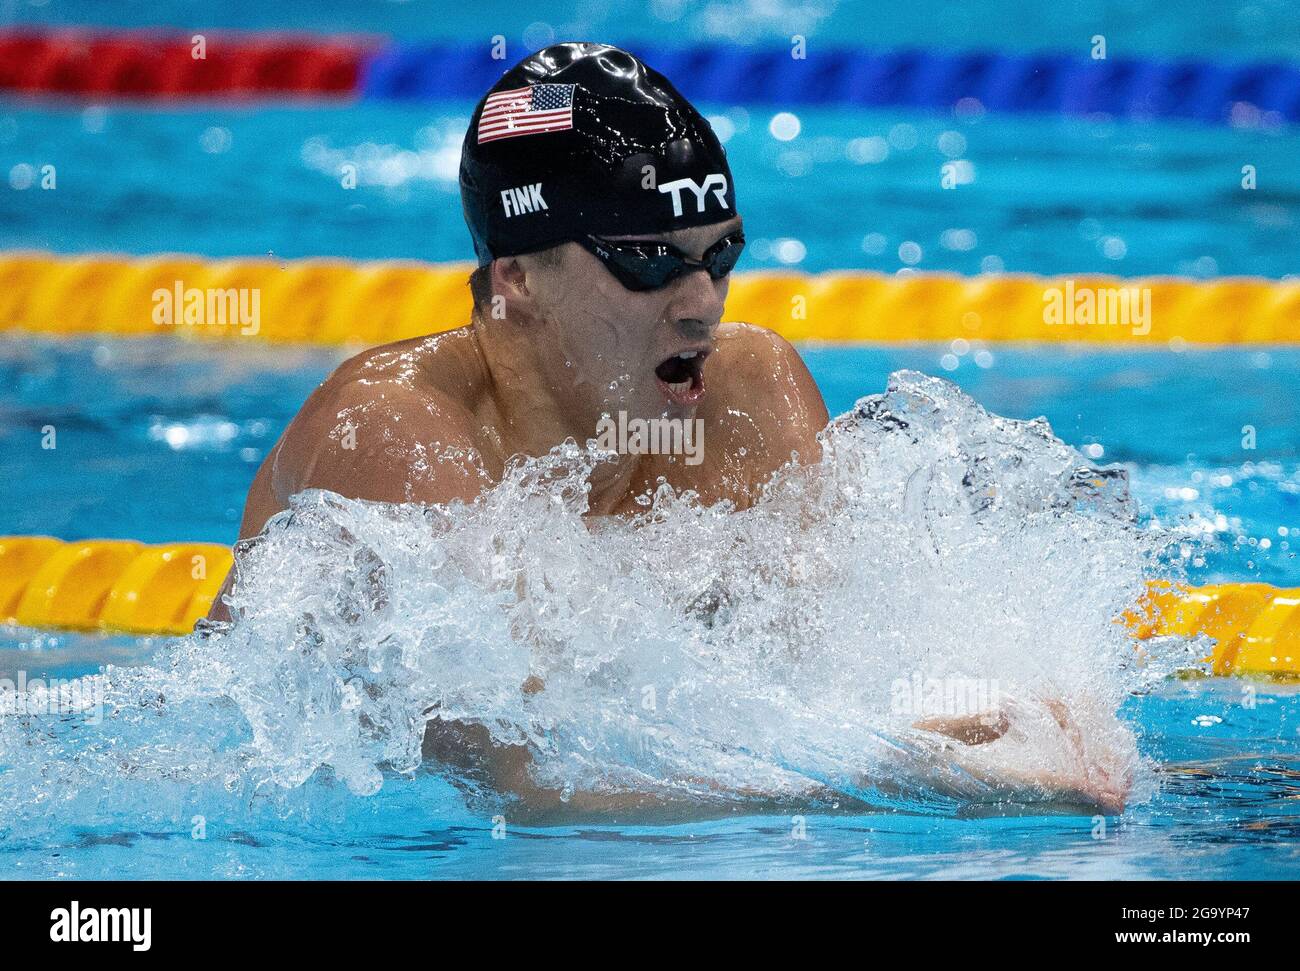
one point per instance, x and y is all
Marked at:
(867, 151)
(784, 126)
(538, 35)
(216, 140)
(21, 176)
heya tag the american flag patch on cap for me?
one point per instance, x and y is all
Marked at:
(526, 111)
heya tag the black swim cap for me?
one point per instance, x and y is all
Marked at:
(584, 138)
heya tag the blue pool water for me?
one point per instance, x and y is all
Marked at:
(159, 440)
(1049, 195)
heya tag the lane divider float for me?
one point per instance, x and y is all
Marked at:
(336, 301)
(169, 65)
(1255, 626)
(163, 64)
(964, 81)
(109, 585)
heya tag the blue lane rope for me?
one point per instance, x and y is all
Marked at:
(935, 80)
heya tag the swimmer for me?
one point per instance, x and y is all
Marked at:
(603, 215)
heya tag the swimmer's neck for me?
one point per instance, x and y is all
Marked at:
(530, 419)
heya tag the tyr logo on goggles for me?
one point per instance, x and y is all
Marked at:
(651, 265)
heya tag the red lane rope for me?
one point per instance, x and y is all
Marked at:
(150, 64)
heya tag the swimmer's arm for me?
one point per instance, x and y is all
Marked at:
(968, 729)
(506, 770)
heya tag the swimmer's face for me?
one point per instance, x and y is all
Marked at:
(613, 349)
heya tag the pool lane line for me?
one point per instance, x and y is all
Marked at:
(124, 586)
(109, 585)
(964, 82)
(172, 65)
(162, 64)
(332, 301)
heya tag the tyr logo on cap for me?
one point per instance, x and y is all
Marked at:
(716, 179)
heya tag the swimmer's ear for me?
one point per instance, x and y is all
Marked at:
(511, 297)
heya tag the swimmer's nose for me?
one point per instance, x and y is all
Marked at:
(696, 305)
(694, 329)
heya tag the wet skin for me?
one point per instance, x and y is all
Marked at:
(437, 418)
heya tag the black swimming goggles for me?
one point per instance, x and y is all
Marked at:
(649, 265)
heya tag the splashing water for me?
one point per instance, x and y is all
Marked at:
(697, 652)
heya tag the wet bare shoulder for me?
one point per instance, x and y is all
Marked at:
(381, 427)
(759, 382)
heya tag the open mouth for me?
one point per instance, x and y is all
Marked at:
(682, 376)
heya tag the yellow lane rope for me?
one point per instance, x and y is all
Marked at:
(333, 301)
(1255, 626)
(109, 584)
(130, 587)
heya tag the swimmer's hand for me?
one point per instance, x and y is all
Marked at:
(1033, 754)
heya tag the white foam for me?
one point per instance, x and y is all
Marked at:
(697, 650)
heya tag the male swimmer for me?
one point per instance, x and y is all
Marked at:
(603, 214)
